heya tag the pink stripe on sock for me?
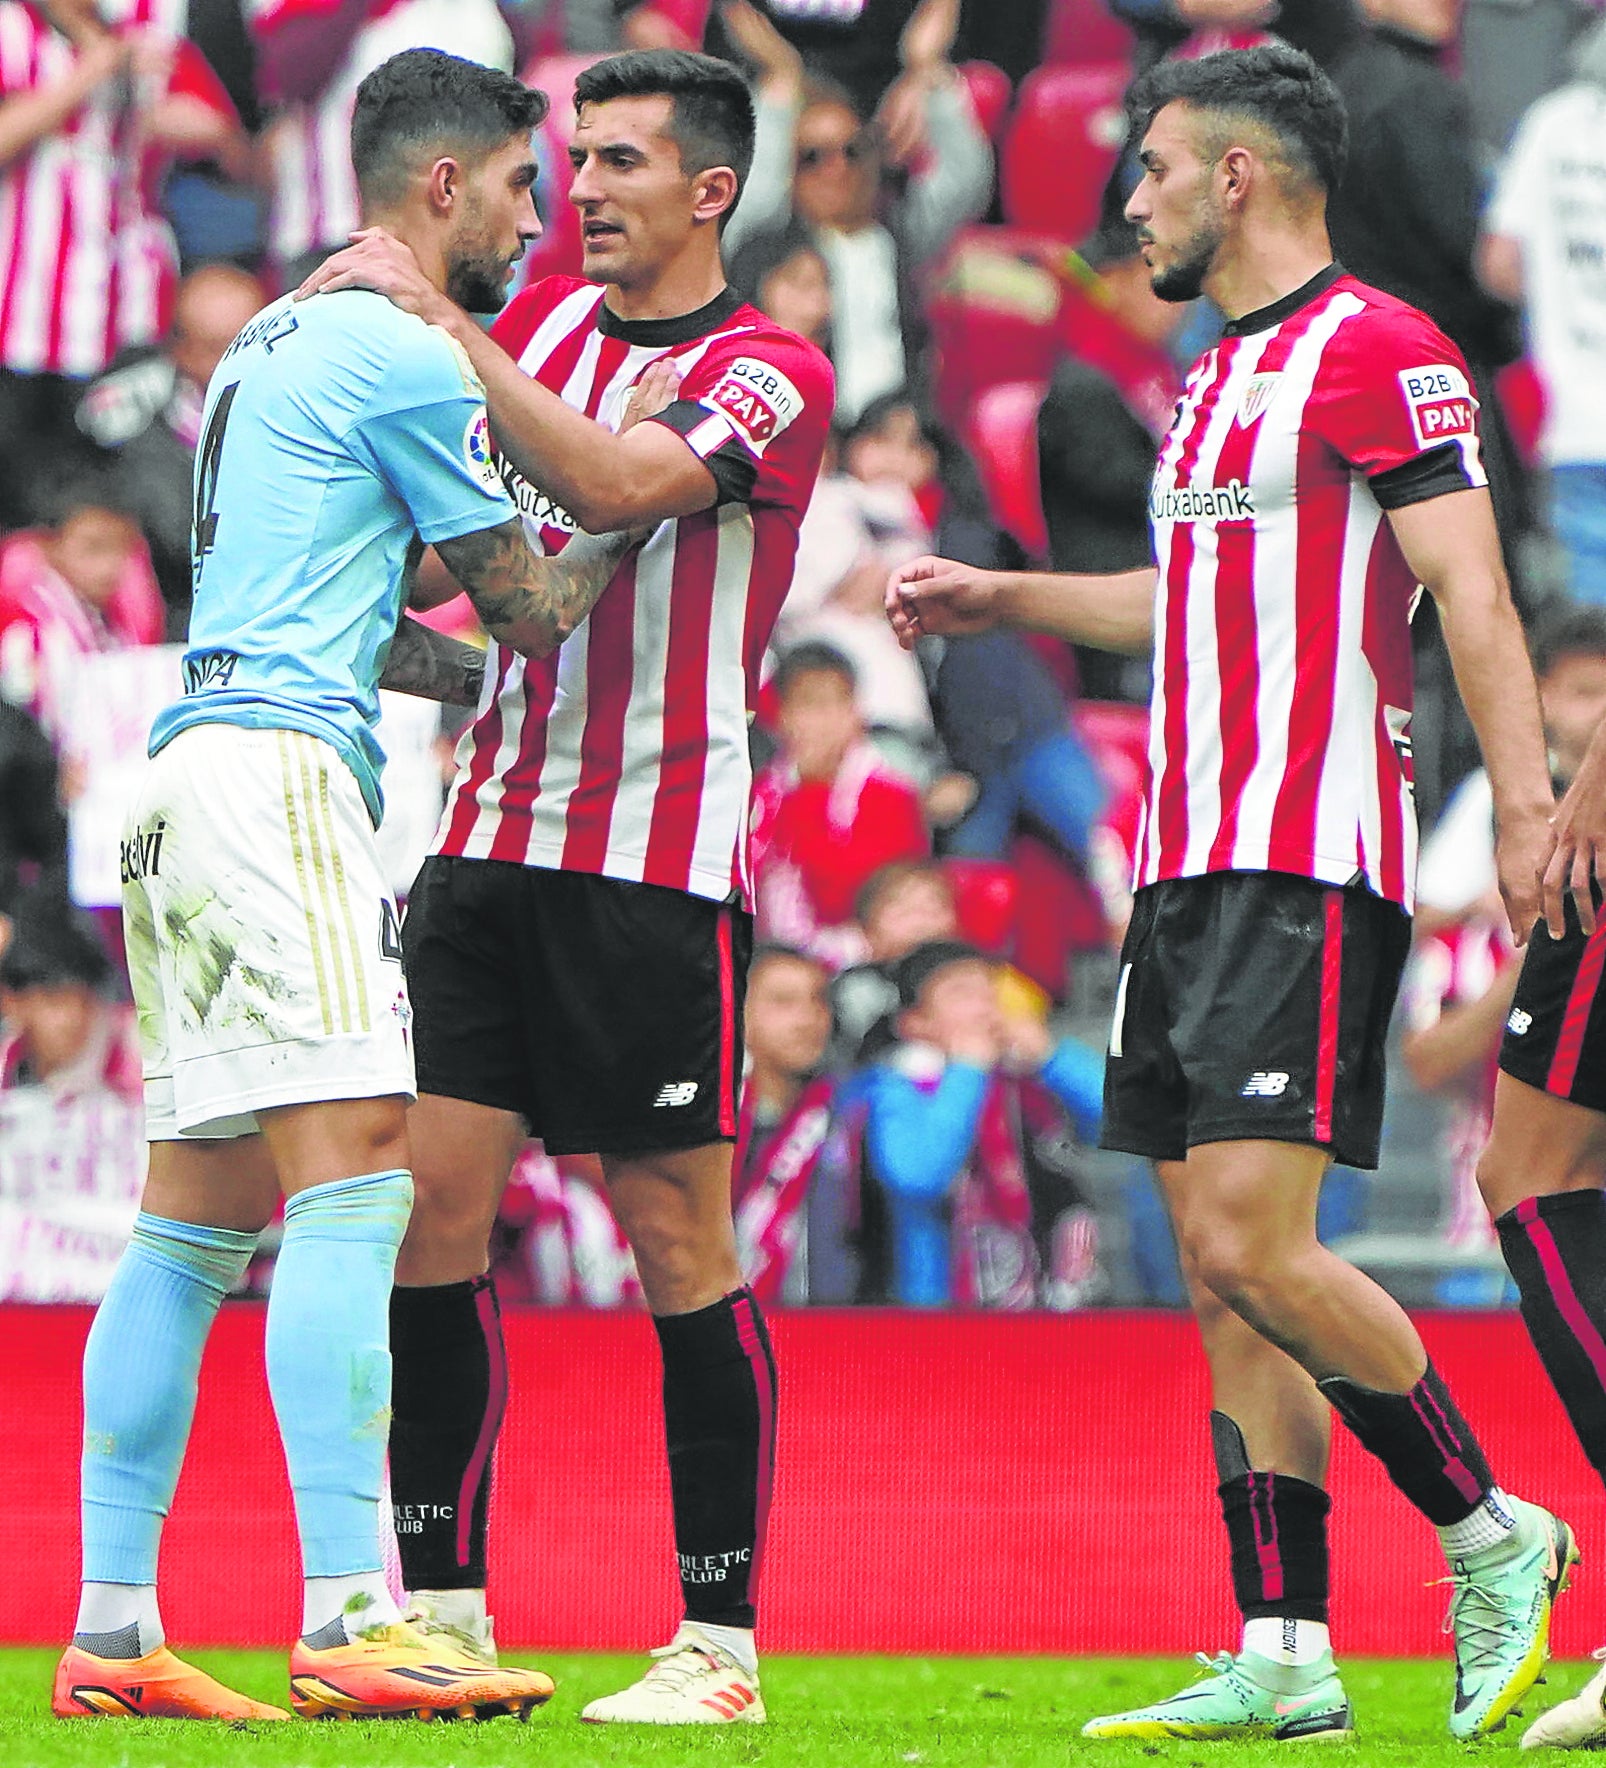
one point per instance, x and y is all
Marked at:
(1465, 1481)
(746, 1318)
(1561, 1286)
(495, 1407)
(1267, 1547)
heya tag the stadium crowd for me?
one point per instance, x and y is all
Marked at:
(943, 837)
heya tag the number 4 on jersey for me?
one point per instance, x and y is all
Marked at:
(203, 533)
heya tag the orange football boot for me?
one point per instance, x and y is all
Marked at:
(156, 1686)
(396, 1672)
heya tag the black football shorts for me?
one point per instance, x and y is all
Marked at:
(607, 1013)
(1253, 1006)
(1555, 1037)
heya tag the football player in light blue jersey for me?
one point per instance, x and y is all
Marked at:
(339, 436)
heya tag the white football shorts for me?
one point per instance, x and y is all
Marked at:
(263, 942)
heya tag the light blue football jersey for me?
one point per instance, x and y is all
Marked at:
(335, 429)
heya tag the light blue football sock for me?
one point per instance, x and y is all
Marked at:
(140, 1369)
(328, 1345)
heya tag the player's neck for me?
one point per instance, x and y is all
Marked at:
(1268, 264)
(421, 241)
(680, 288)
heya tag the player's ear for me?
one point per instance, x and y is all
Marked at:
(445, 184)
(713, 192)
(1236, 170)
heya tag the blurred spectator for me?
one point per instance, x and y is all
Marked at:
(819, 157)
(1544, 245)
(145, 412)
(81, 585)
(556, 1241)
(827, 812)
(855, 43)
(785, 1116)
(784, 275)
(311, 57)
(907, 903)
(1107, 408)
(72, 1148)
(1457, 869)
(1512, 53)
(955, 1136)
(33, 825)
(94, 102)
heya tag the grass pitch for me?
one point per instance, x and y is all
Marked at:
(860, 1712)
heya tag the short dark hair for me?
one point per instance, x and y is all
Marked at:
(54, 946)
(1573, 631)
(1279, 88)
(813, 658)
(776, 951)
(426, 100)
(711, 104)
(914, 970)
(887, 879)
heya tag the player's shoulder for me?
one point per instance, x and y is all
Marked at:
(519, 320)
(751, 332)
(1384, 329)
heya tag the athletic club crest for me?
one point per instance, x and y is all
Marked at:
(1257, 396)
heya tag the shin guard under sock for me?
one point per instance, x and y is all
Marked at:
(449, 1399)
(719, 1421)
(1276, 1530)
(1555, 1249)
(1427, 1448)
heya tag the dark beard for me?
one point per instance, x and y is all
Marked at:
(1184, 280)
(478, 287)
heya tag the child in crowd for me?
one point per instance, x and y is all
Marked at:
(964, 1133)
(827, 812)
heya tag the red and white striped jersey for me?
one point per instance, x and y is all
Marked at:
(625, 753)
(1280, 723)
(314, 188)
(87, 264)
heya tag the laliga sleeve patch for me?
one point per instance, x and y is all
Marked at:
(1440, 402)
(758, 400)
(477, 452)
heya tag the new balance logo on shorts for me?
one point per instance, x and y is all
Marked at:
(1264, 1083)
(677, 1092)
(1519, 1022)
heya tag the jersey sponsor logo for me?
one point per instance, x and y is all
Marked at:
(1232, 502)
(1519, 1023)
(539, 510)
(141, 853)
(677, 1092)
(1264, 1083)
(1257, 396)
(1440, 402)
(477, 452)
(758, 399)
(208, 670)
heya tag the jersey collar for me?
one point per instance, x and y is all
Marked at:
(1264, 318)
(681, 329)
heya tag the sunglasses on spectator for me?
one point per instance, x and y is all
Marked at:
(853, 150)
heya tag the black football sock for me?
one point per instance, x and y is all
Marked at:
(1427, 1448)
(449, 1392)
(719, 1421)
(1277, 1532)
(1555, 1249)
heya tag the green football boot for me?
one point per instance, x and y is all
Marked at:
(1500, 1614)
(1245, 1696)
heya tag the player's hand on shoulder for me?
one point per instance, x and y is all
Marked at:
(932, 595)
(377, 260)
(657, 387)
(1579, 857)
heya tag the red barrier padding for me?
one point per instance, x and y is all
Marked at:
(946, 1483)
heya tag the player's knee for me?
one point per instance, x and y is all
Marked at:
(1233, 1266)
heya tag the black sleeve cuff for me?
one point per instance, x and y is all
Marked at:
(734, 468)
(1429, 475)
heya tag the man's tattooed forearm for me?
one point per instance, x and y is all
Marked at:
(432, 666)
(533, 604)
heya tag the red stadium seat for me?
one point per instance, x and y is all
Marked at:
(990, 92)
(1083, 31)
(993, 313)
(1060, 147)
(985, 899)
(1002, 432)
